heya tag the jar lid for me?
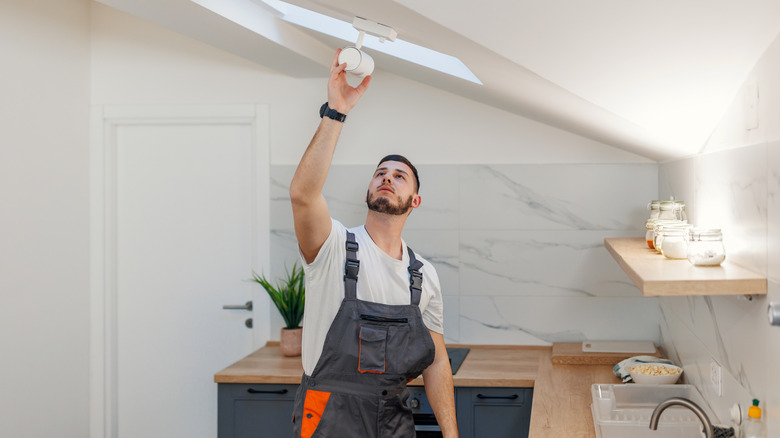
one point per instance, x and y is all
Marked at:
(705, 234)
(669, 205)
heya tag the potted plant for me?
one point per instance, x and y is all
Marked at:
(288, 296)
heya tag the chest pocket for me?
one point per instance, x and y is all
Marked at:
(373, 349)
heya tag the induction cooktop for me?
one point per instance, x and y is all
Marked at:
(457, 356)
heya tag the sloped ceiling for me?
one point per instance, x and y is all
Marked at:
(652, 78)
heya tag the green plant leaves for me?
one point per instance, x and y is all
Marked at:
(288, 295)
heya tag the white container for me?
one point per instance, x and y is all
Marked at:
(359, 63)
(624, 410)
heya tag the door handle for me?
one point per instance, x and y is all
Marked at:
(245, 306)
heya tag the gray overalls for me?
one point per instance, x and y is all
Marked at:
(358, 388)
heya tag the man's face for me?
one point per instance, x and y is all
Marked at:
(392, 190)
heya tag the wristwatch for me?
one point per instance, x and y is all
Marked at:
(326, 111)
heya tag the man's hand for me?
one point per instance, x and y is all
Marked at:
(342, 97)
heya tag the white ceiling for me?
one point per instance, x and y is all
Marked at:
(652, 78)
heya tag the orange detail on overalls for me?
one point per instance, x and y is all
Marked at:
(313, 407)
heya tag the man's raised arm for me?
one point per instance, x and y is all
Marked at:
(310, 211)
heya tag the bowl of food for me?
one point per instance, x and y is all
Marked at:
(655, 373)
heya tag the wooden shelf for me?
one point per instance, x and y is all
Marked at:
(655, 275)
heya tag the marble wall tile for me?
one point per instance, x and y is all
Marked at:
(544, 320)
(281, 211)
(541, 263)
(696, 359)
(773, 272)
(440, 247)
(556, 197)
(439, 191)
(773, 210)
(551, 260)
(729, 328)
(731, 194)
(452, 319)
(772, 366)
(677, 178)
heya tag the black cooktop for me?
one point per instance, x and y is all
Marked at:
(457, 356)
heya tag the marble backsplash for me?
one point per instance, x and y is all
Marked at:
(735, 190)
(518, 247)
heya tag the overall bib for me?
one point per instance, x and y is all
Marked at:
(358, 387)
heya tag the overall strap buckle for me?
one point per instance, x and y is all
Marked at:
(415, 277)
(351, 267)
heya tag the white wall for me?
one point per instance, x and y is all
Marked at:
(62, 57)
(135, 61)
(44, 218)
(734, 184)
(138, 62)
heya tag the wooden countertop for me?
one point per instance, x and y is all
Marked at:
(485, 365)
(561, 401)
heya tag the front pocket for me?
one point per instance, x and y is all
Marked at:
(373, 343)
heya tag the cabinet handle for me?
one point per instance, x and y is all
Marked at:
(504, 397)
(258, 391)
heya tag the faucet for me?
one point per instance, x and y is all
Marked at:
(679, 401)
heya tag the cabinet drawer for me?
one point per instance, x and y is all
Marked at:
(494, 412)
(255, 410)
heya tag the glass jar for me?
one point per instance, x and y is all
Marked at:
(680, 211)
(650, 234)
(672, 210)
(654, 207)
(674, 244)
(705, 247)
(658, 226)
(667, 210)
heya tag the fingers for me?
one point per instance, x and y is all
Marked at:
(335, 62)
(363, 85)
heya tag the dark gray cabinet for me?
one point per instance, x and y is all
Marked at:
(255, 411)
(493, 412)
(265, 410)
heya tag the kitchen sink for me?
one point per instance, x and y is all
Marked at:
(624, 411)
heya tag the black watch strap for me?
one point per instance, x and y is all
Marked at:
(326, 111)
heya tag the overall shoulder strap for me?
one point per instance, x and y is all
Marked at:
(415, 277)
(351, 267)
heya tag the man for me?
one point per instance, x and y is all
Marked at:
(373, 317)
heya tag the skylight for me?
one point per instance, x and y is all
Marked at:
(343, 30)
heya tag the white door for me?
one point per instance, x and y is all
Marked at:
(184, 220)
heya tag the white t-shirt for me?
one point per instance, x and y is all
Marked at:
(382, 279)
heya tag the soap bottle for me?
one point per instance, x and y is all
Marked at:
(754, 427)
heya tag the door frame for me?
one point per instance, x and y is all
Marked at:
(104, 123)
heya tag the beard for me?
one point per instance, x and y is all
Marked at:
(383, 205)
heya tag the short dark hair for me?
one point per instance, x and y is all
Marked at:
(402, 159)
